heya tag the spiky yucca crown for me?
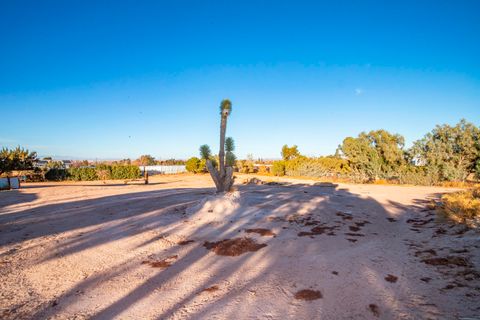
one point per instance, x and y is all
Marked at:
(225, 107)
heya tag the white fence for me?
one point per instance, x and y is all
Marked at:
(163, 169)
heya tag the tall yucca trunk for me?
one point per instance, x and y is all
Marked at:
(223, 177)
(221, 154)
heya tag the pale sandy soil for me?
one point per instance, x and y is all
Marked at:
(88, 250)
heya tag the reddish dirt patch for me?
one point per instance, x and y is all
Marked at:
(448, 261)
(428, 251)
(355, 234)
(233, 247)
(374, 309)
(345, 216)
(165, 263)
(211, 289)
(318, 230)
(419, 222)
(440, 231)
(361, 223)
(261, 231)
(391, 278)
(308, 295)
(185, 242)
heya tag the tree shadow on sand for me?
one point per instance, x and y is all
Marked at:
(346, 247)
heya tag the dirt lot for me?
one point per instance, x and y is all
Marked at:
(173, 250)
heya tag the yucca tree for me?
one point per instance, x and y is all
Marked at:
(225, 110)
(223, 177)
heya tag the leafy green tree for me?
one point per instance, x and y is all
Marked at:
(146, 160)
(16, 159)
(289, 153)
(374, 155)
(449, 153)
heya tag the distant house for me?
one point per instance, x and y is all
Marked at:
(41, 163)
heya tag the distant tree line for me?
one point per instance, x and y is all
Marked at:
(447, 153)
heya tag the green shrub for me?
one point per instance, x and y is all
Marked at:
(56, 174)
(278, 168)
(192, 164)
(83, 174)
(245, 166)
(124, 172)
(316, 167)
(100, 172)
(418, 176)
(202, 166)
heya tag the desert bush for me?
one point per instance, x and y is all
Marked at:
(124, 172)
(202, 166)
(82, 174)
(462, 206)
(417, 175)
(278, 168)
(196, 165)
(101, 172)
(245, 166)
(56, 174)
(263, 169)
(191, 165)
(317, 167)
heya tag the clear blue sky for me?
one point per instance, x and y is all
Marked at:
(123, 78)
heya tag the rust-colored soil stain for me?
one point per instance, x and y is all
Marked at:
(211, 289)
(233, 247)
(428, 251)
(361, 223)
(354, 234)
(165, 263)
(391, 278)
(345, 216)
(318, 230)
(308, 295)
(374, 309)
(261, 231)
(448, 261)
(185, 242)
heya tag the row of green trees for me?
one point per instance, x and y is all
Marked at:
(447, 153)
(100, 172)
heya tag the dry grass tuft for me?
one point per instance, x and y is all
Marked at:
(462, 206)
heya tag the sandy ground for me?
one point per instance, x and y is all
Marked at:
(103, 251)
